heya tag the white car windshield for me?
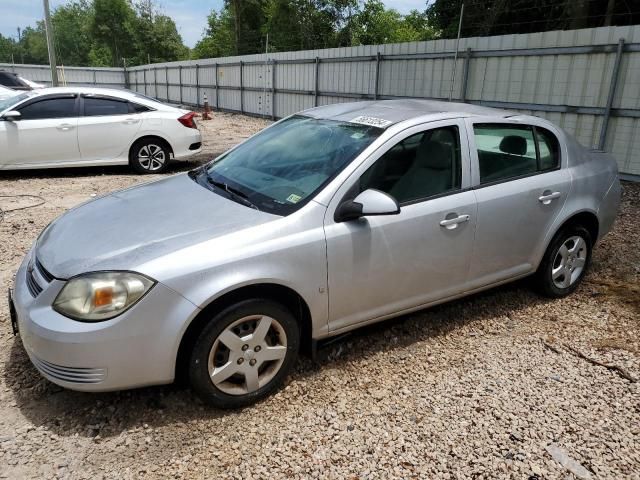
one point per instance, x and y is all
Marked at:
(11, 101)
(285, 165)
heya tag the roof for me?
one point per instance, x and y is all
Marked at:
(88, 90)
(388, 112)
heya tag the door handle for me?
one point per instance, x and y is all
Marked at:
(451, 223)
(131, 121)
(65, 127)
(547, 196)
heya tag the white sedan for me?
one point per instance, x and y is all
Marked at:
(82, 126)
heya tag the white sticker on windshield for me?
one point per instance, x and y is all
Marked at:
(373, 121)
(293, 198)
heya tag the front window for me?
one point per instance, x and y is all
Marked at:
(280, 169)
(423, 165)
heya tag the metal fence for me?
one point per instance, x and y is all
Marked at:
(587, 81)
(103, 77)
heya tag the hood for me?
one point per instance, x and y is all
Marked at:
(127, 228)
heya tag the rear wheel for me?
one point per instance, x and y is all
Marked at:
(565, 262)
(149, 155)
(244, 354)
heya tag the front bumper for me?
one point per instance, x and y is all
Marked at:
(135, 349)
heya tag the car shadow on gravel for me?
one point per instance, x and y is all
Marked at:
(115, 170)
(67, 413)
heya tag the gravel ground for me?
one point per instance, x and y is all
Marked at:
(504, 384)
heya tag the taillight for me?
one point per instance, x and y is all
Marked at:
(188, 120)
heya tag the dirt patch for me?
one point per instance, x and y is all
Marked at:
(466, 389)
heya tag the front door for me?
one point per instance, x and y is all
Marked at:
(379, 266)
(45, 133)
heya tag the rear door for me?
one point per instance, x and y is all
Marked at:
(45, 133)
(106, 128)
(521, 184)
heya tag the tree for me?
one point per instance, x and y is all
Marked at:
(502, 17)
(71, 30)
(375, 24)
(218, 39)
(8, 47)
(248, 21)
(156, 36)
(113, 26)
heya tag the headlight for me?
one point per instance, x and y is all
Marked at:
(101, 295)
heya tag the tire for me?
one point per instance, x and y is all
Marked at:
(560, 273)
(149, 155)
(228, 368)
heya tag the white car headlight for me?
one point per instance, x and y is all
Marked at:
(101, 295)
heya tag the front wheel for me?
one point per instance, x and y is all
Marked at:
(149, 156)
(244, 353)
(565, 262)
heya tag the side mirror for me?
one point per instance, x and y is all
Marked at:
(371, 202)
(11, 115)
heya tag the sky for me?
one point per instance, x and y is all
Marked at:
(190, 15)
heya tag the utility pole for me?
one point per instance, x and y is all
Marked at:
(50, 45)
(20, 45)
(455, 57)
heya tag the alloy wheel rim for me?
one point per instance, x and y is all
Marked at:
(247, 355)
(151, 157)
(569, 262)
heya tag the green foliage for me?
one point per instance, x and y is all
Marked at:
(500, 17)
(242, 26)
(218, 39)
(376, 24)
(100, 33)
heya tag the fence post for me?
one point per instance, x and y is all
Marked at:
(166, 79)
(315, 93)
(155, 82)
(197, 85)
(180, 81)
(127, 84)
(241, 87)
(94, 78)
(273, 89)
(144, 79)
(465, 75)
(377, 74)
(217, 80)
(612, 94)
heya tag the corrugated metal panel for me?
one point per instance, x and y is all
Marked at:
(563, 81)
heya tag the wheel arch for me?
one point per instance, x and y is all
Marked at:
(585, 218)
(270, 291)
(151, 136)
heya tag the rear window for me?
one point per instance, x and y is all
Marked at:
(97, 107)
(509, 151)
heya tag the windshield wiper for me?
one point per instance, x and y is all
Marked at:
(234, 193)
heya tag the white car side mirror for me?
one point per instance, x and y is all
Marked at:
(11, 115)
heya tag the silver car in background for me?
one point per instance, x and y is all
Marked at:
(328, 220)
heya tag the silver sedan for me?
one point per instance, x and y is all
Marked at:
(328, 220)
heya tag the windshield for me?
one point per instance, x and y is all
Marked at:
(281, 168)
(9, 102)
